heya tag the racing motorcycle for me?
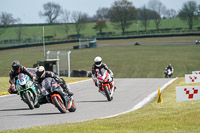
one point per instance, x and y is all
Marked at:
(168, 73)
(52, 92)
(104, 85)
(27, 91)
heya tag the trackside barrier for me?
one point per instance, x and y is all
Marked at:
(188, 93)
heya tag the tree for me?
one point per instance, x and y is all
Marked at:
(19, 29)
(102, 13)
(65, 21)
(144, 15)
(171, 13)
(100, 25)
(159, 8)
(52, 11)
(189, 13)
(6, 19)
(80, 21)
(121, 14)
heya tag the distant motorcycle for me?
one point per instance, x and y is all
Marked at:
(27, 91)
(104, 81)
(168, 73)
(51, 92)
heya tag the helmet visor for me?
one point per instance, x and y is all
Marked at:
(98, 63)
(39, 73)
(15, 68)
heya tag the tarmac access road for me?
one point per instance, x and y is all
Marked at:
(91, 104)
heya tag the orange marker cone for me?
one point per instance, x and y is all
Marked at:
(159, 97)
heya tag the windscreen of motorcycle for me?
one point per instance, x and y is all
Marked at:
(22, 79)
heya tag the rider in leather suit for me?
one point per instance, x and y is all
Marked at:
(16, 69)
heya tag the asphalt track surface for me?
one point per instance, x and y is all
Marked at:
(91, 104)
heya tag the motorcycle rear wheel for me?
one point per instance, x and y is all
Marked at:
(59, 104)
(73, 108)
(29, 100)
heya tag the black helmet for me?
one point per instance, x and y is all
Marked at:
(40, 71)
(15, 66)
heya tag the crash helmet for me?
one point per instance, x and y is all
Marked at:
(40, 72)
(98, 61)
(15, 66)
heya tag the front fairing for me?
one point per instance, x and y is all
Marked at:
(104, 78)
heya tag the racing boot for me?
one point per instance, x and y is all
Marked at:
(67, 90)
(112, 86)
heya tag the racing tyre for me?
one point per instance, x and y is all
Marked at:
(107, 93)
(29, 100)
(73, 108)
(59, 104)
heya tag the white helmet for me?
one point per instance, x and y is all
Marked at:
(40, 71)
(98, 61)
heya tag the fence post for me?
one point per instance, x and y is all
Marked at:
(58, 63)
(48, 52)
(68, 55)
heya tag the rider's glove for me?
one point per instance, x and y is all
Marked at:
(13, 86)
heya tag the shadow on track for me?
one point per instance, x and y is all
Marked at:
(14, 109)
(92, 101)
(41, 114)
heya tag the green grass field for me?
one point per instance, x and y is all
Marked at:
(57, 32)
(122, 56)
(167, 117)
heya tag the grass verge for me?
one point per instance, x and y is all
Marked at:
(168, 117)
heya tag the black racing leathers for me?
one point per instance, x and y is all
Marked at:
(49, 74)
(57, 79)
(13, 74)
(103, 66)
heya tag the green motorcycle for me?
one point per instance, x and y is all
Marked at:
(27, 91)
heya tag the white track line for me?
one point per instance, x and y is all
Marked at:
(144, 101)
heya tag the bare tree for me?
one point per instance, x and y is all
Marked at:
(65, 22)
(19, 29)
(100, 25)
(170, 13)
(189, 12)
(159, 8)
(102, 13)
(144, 16)
(52, 11)
(6, 19)
(80, 21)
(121, 14)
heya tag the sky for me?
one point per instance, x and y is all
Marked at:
(28, 10)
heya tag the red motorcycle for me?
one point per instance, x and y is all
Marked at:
(104, 83)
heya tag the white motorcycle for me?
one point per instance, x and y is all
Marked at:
(168, 73)
(104, 83)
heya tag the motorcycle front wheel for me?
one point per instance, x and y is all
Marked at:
(58, 102)
(29, 100)
(107, 92)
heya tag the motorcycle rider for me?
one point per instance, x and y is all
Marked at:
(41, 74)
(16, 69)
(97, 67)
(170, 68)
